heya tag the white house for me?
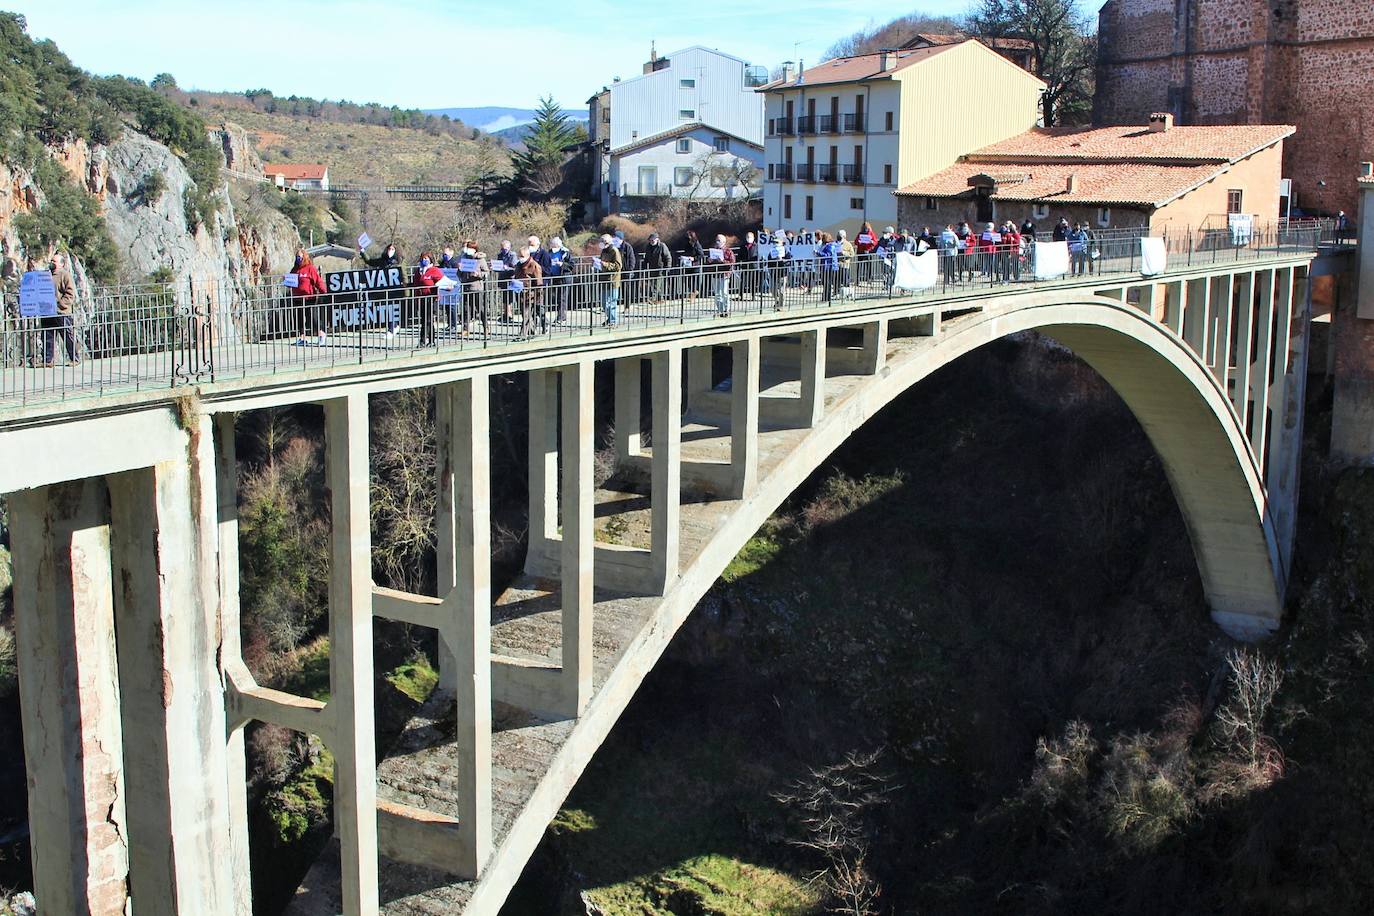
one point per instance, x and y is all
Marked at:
(304, 176)
(693, 109)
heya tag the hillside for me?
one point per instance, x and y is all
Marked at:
(497, 120)
(359, 154)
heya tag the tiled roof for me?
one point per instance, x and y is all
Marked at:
(1145, 184)
(852, 69)
(953, 38)
(1214, 143)
(678, 131)
(297, 171)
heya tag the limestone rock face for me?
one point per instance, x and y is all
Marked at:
(154, 234)
(239, 155)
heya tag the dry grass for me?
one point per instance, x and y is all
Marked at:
(358, 154)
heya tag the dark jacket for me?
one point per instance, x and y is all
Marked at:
(657, 256)
(382, 260)
(628, 257)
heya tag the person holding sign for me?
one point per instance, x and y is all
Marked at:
(692, 275)
(557, 265)
(526, 280)
(722, 261)
(426, 284)
(60, 322)
(657, 260)
(777, 257)
(388, 258)
(472, 275)
(611, 266)
(304, 297)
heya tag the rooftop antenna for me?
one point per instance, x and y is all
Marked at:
(653, 51)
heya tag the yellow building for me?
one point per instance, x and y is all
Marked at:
(842, 136)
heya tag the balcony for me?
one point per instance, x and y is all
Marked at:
(854, 123)
(784, 127)
(852, 174)
(806, 172)
(828, 172)
(806, 124)
(780, 171)
(828, 124)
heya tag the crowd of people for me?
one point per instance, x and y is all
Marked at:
(535, 285)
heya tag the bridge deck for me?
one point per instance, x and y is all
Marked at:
(526, 623)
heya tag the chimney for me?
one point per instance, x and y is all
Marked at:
(1160, 122)
(1071, 184)
(789, 71)
(884, 61)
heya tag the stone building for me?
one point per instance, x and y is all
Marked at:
(1301, 62)
(1157, 176)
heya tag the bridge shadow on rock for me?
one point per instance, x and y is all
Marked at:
(994, 557)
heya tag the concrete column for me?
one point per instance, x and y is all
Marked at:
(1197, 317)
(465, 585)
(1288, 349)
(350, 652)
(875, 346)
(445, 546)
(1173, 306)
(1220, 361)
(579, 536)
(1259, 373)
(628, 385)
(69, 697)
(1244, 344)
(164, 535)
(540, 559)
(699, 374)
(665, 498)
(812, 376)
(744, 416)
(227, 504)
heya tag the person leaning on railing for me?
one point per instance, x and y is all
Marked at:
(530, 276)
(426, 284)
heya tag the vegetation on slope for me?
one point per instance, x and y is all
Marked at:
(985, 617)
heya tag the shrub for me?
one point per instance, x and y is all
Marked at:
(150, 190)
(70, 218)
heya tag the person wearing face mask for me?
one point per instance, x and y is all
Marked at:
(309, 286)
(557, 264)
(723, 269)
(395, 298)
(657, 260)
(530, 277)
(506, 257)
(611, 266)
(776, 257)
(448, 260)
(472, 282)
(750, 284)
(426, 285)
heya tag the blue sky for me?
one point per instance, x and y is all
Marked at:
(428, 54)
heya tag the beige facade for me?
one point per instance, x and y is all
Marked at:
(845, 135)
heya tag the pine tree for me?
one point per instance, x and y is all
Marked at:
(539, 166)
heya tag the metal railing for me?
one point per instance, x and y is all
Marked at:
(854, 123)
(159, 337)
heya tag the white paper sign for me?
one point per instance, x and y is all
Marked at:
(683, 261)
(291, 280)
(1241, 225)
(37, 296)
(1051, 259)
(469, 265)
(596, 264)
(516, 286)
(913, 273)
(363, 241)
(1153, 256)
(717, 254)
(446, 283)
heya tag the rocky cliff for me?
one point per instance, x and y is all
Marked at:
(150, 230)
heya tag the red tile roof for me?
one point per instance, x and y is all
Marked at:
(292, 171)
(1111, 165)
(678, 131)
(852, 69)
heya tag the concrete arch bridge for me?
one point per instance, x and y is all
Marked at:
(123, 511)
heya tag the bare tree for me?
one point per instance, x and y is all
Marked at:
(893, 34)
(833, 806)
(1063, 50)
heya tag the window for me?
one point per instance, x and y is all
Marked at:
(887, 122)
(682, 176)
(686, 84)
(1041, 211)
(810, 208)
(1234, 200)
(1104, 216)
(684, 145)
(887, 173)
(605, 116)
(722, 144)
(687, 114)
(856, 203)
(930, 204)
(787, 206)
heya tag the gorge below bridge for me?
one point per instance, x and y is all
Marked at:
(123, 511)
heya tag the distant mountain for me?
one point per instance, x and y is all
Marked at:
(496, 120)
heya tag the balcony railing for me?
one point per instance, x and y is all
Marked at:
(780, 171)
(854, 123)
(806, 124)
(828, 124)
(806, 172)
(827, 172)
(852, 174)
(784, 127)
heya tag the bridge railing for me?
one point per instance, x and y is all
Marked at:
(161, 336)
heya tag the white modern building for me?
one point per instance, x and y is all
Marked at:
(844, 135)
(690, 125)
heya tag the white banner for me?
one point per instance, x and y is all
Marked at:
(1153, 256)
(916, 272)
(1051, 260)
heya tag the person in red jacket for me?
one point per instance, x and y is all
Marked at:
(864, 246)
(305, 297)
(426, 284)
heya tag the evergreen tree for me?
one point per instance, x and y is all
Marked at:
(539, 166)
